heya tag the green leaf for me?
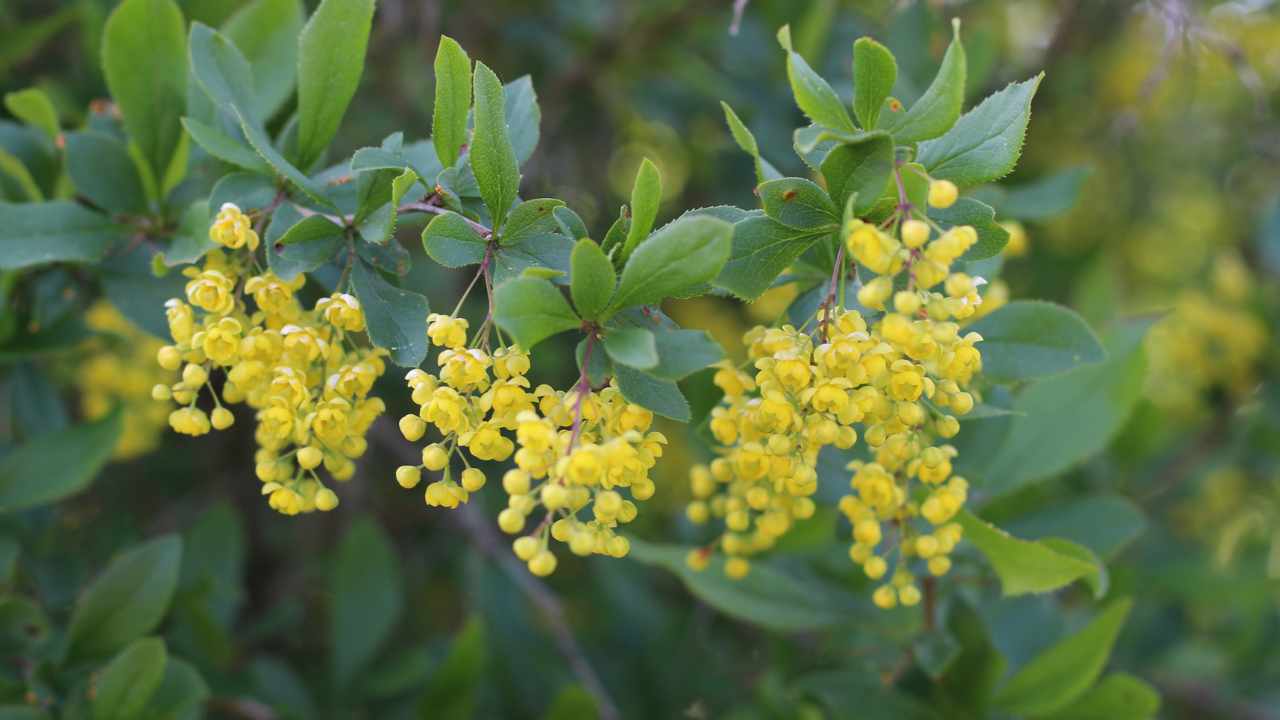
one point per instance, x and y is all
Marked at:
(14, 169)
(1065, 671)
(1103, 523)
(524, 117)
(1041, 199)
(573, 703)
(224, 147)
(985, 143)
(814, 95)
(451, 241)
(762, 249)
(1029, 339)
(591, 279)
(1064, 419)
(266, 31)
(1115, 696)
(220, 69)
(1098, 580)
(747, 141)
(874, 73)
(684, 352)
(632, 346)
(859, 168)
(331, 53)
(797, 203)
(532, 221)
(660, 395)
(767, 596)
(856, 693)
(532, 310)
(296, 244)
(937, 109)
(453, 100)
(681, 256)
(261, 143)
(366, 591)
(57, 465)
(58, 231)
(379, 226)
(973, 675)
(144, 59)
(131, 284)
(1023, 566)
(397, 318)
(646, 194)
(128, 600)
(492, 158)
(452, 691)
(966, 211)
(102, 171)
(570, 223)
(129, 681)
(32, 107)
(599, 366)
(181, 694)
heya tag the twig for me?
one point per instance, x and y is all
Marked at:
(739, 7)
(481, 534)
(584, 389)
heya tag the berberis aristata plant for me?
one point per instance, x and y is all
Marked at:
(274, 272)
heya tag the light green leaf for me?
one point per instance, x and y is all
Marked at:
(221, 70)
(102, 171)
(532, 310)
(127, 600)
(936, 111)
(1065, 671)
(224, 147)
(532, 221)
(1115, 696)
(144, 59)
(660, 395)
(493, 161)
(266, 32)
(966, 211)
(681, 256)
(762, 250)
(1064, 419)
(451, 241)
(985, 143)
(1029, 339)
(573, 703)
(397, 318)
(15, 170)
(797, 203)
(747, 141)
(859, 168)
(1023, 566)
(874, 73)
(767, 597)
(453, 100)
(181, 694)
(632, 346)
(128, 682)
(646, 194)
(684, 352)
(331, 53)
(33, 107)
(366, 591)
(813, 95)
(58, 231)
(591, 279)
(380, 225)
(56, 465)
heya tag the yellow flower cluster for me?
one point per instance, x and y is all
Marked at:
(118, 370)
(1213, 339)
(575, 452)
(901, 380)
(299, 370)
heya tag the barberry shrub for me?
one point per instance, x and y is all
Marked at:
(899, 392)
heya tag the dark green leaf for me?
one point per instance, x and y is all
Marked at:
(224, 147)
(937, 109)
(379, 226)
(1041, 199)
(137, 292)
(1065, 671)
(181, 694)
(58, 231)
(453, 100)
(144, 59)
(102, 171)
(675, 259)
(126, 601)
(646, 194)
(657, 394)
(632, 346)
(570, 223)
(221, 69)
(492, 158)
(797, 203)
(532, 221)
(532, 309)
(56, 465)
(762, 250)
(862, 168)
(366, 591)
(397, 318)
(127, 683)
(813, 95)
(266, 32)
(451, 241)
(985, 143)
(966, 211)
(451, 693)
(874, 73)
(331, 53)
(1102, 523)
(573, 703)
(1029, 339)
(591, 279)
(524, 117)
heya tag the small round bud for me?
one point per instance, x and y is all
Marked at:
(511, 521)
(221, 418)
(326, 500)
(737, 568)
(516, 482)
(435, 457)
(161, 392)
(942, 193)
(543, 563)
(412, 428)
(408, 476)
(884, 597)
(309, 458)
(472, 479)
(526, 547)
(915, 233)
(169, 357)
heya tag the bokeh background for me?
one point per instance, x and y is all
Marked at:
(1156, 130)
